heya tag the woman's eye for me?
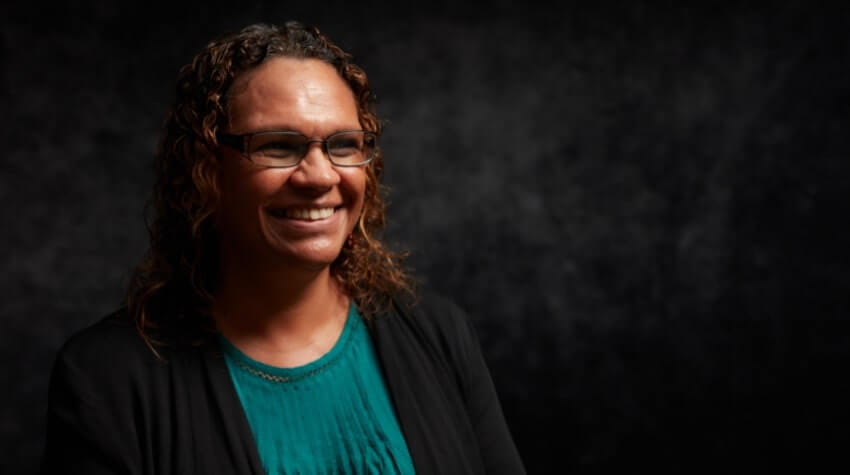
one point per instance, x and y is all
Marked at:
(278, 149)
(344, 147)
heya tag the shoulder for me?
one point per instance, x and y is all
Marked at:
(434, 311)
(435, 320)
(111, 334)
(109, 348)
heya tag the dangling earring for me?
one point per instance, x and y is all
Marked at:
(350, 241)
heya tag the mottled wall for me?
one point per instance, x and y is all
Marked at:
(642, 207)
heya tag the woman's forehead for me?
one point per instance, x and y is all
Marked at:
(305, 91)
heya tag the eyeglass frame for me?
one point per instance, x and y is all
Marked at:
(239, 142)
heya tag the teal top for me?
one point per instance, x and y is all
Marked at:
(333, 415)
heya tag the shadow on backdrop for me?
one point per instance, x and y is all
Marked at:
(643, 208)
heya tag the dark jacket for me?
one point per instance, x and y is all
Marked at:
(115, 408)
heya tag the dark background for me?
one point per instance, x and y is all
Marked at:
(642, 206)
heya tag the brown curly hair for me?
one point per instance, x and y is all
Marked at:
(177, 278)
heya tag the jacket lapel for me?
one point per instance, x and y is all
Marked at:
(429, 407)
(227, 420)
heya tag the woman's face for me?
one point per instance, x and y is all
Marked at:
(264, 216)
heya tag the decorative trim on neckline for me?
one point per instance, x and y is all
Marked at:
(288, 375)
(284, 379)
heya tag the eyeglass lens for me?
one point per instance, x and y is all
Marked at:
(288, 148)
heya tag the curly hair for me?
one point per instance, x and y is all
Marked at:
(176, 280)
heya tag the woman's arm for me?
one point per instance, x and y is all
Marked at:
(87, 432)
(482, 403)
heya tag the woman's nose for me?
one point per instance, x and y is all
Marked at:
(315, 170)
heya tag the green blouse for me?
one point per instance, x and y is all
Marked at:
(333, 415)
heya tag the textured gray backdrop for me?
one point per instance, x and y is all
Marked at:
(642, 207)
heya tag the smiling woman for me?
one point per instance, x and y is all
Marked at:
(297, 215)
(269, 330)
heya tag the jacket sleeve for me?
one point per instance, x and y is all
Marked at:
(498, 450)
(86, 432)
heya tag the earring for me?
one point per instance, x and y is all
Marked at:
(350, 241)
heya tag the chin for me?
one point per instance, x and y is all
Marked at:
(312, 255)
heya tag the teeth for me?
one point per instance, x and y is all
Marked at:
(310, 214)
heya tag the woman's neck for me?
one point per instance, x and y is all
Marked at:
(287, 319)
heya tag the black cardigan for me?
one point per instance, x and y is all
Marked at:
(114, 408)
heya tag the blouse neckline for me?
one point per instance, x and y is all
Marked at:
(279, 374)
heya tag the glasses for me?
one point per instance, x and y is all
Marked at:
(280, 149)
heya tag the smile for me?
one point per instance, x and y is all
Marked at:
(305, 214)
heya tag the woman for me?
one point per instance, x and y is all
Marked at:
(268, 330)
